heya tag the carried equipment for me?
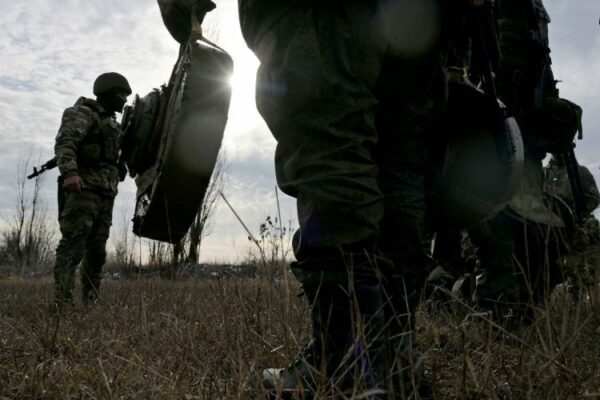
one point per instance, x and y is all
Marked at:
(172, 138)
(479, 160)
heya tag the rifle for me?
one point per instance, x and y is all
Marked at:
(50, 164)
(547, 86)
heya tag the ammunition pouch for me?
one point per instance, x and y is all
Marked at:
(89, 154)
(110, 140)
(100, 146)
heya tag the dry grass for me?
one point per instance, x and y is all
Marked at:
(206, 338)
(558, 357)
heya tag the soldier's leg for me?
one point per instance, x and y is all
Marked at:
(320, 66)
(76, 222)
(95, 256)
(68, 255)
(591, 254)
(581, 263)
(413, 96)
(497, 286)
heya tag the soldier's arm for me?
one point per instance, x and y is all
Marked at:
(76, 123)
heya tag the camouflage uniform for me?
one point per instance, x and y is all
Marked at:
(351, 123)
(87, 145)
(580, 265)
(351, 104)
(511, 246)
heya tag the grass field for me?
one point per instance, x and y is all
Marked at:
(206, 339)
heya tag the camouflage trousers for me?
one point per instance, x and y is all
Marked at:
(352, 117)
(85, 219)
(519, 261)
(581, 265)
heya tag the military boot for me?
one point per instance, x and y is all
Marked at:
(347, 352)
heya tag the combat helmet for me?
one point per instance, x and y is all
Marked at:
(111, 81)
(478, 160)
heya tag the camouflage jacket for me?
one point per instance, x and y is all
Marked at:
(257, 16)
(557, 183)
(87, 144)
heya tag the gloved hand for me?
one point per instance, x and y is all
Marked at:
(177, 15)
(73, 183)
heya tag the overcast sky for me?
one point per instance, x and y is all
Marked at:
(52, 50)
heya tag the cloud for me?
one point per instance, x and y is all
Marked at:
(52, 50)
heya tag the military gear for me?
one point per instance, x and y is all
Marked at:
(177, 153)
(87, 145)
(142, 133)
(48, 165)
(111, 82)
(478, 131)
(466, 193)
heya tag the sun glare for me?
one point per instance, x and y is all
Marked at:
(243, 81)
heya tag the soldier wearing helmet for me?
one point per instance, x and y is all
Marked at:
(87, 151)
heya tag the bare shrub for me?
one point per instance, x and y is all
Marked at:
(184, 255)
(29, 240)
(203, 223)
(274, 246)
(124, 258)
